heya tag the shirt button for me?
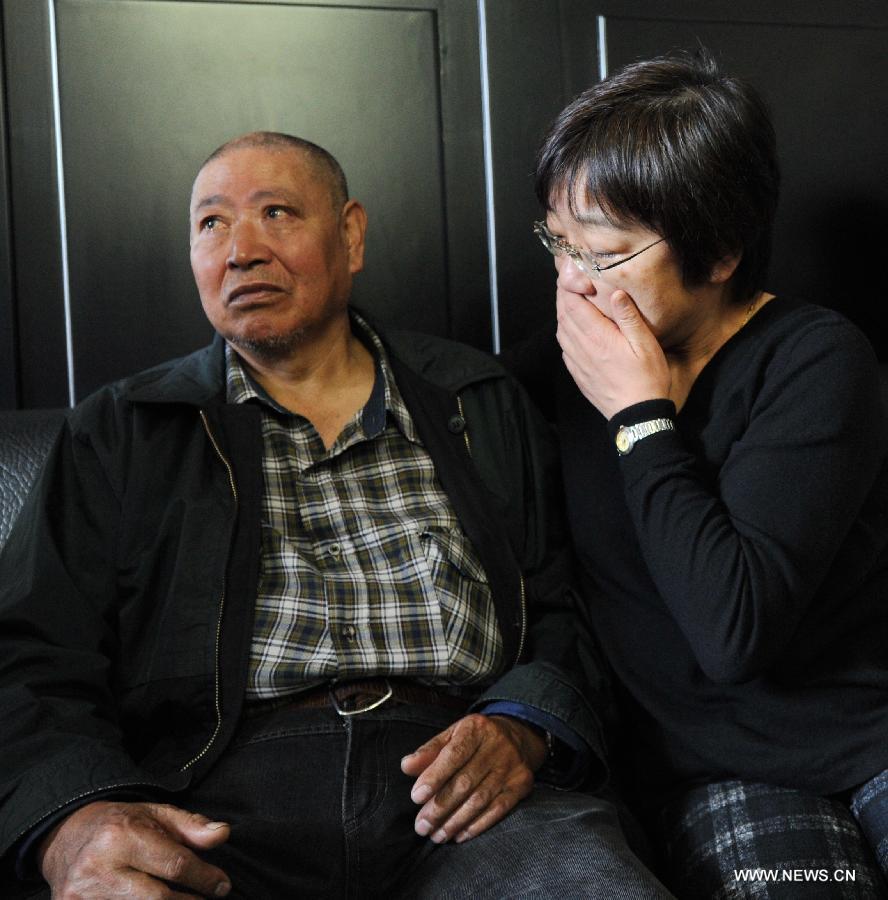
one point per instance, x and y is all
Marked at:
(334, 550)
(456, 424)
(349, 632)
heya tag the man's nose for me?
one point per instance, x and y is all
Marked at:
(248, 247)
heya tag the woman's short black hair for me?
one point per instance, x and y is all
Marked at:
(674, 145)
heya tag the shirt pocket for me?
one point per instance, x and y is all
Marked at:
(465, 604)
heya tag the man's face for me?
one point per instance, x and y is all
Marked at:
(272, 258)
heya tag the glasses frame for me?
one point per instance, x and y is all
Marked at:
(582, 259)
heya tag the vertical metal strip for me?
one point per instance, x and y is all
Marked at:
(60, 184)
(602, 48)
(487, 133)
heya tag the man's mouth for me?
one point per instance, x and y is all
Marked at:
(254, 290)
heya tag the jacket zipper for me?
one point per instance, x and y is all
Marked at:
(462, 414)
(217, 695)
(523, 636)
(522, 593)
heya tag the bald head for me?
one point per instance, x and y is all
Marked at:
(324, 164)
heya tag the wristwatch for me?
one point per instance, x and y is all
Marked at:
(629, 435)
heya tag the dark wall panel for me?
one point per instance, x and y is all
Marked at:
(822, 66)
(826, 87)
(173, 81)
(392, 87)
(39, 305)
(148, 88)
(8, 342)
(529, 82)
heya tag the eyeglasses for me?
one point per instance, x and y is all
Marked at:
(585, 261)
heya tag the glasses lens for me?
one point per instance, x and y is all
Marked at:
(556, 247)
(546, 238)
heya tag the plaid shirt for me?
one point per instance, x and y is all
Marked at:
(365, 569)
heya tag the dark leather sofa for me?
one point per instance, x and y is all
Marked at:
(25, 439)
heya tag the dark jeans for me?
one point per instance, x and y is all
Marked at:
(319, 808)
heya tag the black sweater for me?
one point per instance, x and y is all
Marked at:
(737, 568)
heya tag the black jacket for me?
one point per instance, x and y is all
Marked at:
(127, 587)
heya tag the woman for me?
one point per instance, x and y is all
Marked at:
(724, 456)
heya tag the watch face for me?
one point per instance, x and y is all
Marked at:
(623, 440)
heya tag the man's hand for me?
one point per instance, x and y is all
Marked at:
(472, 774)
(105, 850)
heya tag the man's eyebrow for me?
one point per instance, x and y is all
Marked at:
(268, 194)
(255, 197)
(212, 200)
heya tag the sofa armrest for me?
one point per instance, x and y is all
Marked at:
(25, 439)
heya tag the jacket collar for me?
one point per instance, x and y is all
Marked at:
(446, 364)
(199, 378)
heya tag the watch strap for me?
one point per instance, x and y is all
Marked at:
(629, 435)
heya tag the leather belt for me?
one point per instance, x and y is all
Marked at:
(351, 698)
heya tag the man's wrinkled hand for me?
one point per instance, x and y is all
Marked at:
(471, 775)
(109, 849)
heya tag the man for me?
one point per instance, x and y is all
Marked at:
(259, 587)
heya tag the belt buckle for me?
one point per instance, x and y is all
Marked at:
(345, 713)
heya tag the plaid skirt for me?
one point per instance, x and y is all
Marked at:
(736, 839)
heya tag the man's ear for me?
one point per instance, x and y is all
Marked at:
(354, 226)
(725, 268)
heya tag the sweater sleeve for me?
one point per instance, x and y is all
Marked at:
(739, 555)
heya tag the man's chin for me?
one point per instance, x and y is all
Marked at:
(269, 348)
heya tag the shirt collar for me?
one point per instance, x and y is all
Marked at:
(385, 398)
